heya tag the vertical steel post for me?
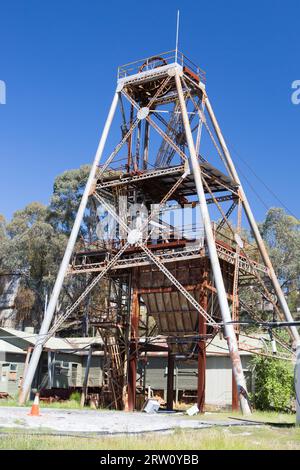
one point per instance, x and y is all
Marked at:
(253, 224)
(132, 363)
(146, 145)
(67, 256)
(170, 381)
(201, 366)
(50, 370)
(28, 354)
(86, 377)
(177, 36)
(234, 395)
(222, 296)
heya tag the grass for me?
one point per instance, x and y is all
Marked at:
(237, 438)
(66, 404)
(271, 437)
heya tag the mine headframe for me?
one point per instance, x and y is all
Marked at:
(172, 154)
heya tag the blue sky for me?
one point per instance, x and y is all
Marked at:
(59, 61)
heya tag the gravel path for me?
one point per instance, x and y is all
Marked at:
(100, 422)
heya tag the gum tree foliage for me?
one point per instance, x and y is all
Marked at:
(33, 242)
(32, 247)
(274, 384)
(67, 191)
(281, 233)
(274, 379)
(24, 304)
(3, 240)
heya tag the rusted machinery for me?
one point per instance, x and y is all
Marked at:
(156, 244)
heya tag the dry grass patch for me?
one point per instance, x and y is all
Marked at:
(236, 438)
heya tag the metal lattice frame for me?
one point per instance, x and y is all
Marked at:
(171, 84)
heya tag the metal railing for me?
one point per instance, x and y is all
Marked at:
(159, 60)
(169, 252)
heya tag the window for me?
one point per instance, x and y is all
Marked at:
(9, 371)
(9, 367)
(59, 365)
(5, 371)
(44, 366)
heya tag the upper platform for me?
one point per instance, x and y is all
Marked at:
(160, 63)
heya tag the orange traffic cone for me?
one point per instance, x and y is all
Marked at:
(35, 409)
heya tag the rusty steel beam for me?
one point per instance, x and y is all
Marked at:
(234, 395)
(214, 290)
(158, 290)
(133, 349)
(27, 359)
(170, 381)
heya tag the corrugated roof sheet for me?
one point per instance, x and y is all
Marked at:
(53, 343)
(218, 346)
(6, 347)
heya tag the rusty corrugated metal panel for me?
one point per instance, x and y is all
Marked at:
(173, 314)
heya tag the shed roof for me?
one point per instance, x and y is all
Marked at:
(22, 340)
(247, 345)
(18, 341)
(6, 347)
(218, 346)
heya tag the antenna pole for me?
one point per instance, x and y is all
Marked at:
(177, 36)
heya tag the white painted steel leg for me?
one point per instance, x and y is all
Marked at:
(67, 256)
(222, 297)
(50, 369)
(253, 224)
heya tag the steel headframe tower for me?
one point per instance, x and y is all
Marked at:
(167, 94)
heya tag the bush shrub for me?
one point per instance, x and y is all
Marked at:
(274, 384)
(75, 396)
